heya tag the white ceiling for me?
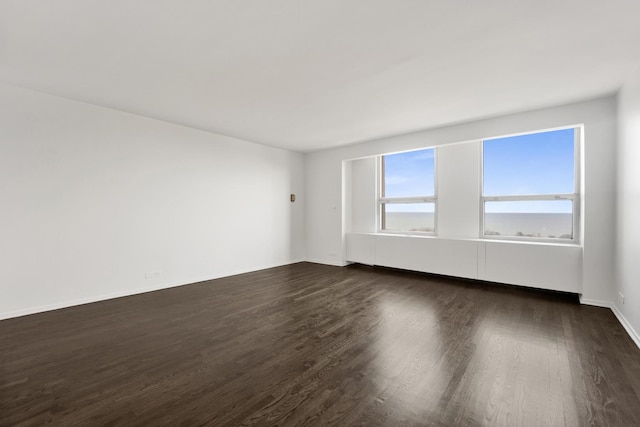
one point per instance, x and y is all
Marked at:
(311, 74)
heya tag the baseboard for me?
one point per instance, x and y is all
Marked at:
(626, 325)
(325, 262)
(623, 320)
(92, 299)
(596, 303)
(135, 291)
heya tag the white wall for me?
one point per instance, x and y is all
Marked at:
(628, 231)
(324, 186)
(93, 199)
(362, 201)
(458, 190)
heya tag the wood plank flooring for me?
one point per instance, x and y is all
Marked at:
(312, 345)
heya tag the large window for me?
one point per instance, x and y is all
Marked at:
(407, 201)
(530, 186)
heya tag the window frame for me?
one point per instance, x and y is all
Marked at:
(574, 197)
(382, 199)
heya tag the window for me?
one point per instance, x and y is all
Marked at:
(407, 200)
(530, 186)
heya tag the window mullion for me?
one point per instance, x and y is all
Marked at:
(421, 199)
(543, 197)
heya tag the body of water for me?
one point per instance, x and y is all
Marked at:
(550, 225)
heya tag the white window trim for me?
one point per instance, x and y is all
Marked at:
(417, 199)
(574, 197)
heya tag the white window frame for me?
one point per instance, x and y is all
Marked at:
(574, 197)
(382, 200)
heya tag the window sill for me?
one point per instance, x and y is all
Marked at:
(478, 239)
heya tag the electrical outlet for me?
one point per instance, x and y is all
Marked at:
(151, 274)
(621, 297)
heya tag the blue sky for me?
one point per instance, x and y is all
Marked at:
(410, 174)
(541, 163)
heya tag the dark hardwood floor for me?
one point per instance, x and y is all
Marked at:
(308, 344)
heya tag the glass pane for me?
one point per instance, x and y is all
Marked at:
(546, 219)
(409, 174)
(539, 163)
(409, 216)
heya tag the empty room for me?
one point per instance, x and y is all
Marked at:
(320, 212)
